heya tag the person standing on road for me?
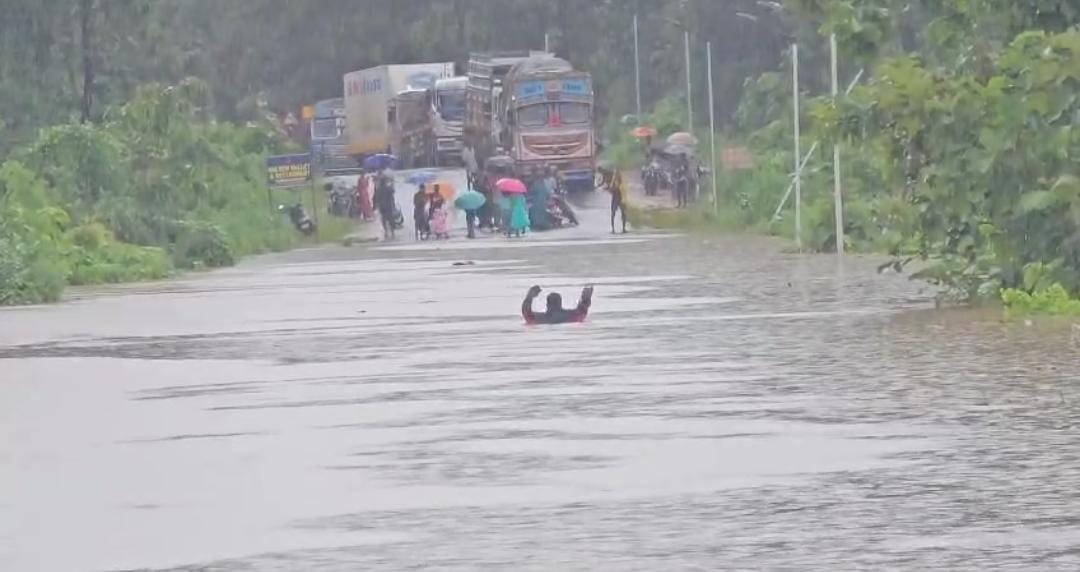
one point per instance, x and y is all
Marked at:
(468, 156)
(384, 202)
(682, 181)
(519, 215)
(439, 216)
(420, 213)
(539, 195)
(363, 197)
(617, 189)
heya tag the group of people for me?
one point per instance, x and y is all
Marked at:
(382, 200)
(678, 171)
(431, 215)
(541, 208)
(373, 193)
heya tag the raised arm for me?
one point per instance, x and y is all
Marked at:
(526, 305)
(583, 305)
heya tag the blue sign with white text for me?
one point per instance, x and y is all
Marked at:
(575, 87)
(531, 89)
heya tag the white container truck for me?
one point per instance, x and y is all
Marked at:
(448, 118)
(369, 95)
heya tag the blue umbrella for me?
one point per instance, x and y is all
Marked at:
(470, 200)
(421, 177)
(379, 162)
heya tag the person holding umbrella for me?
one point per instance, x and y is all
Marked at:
(518, 217)
(471, 202)
(439, 217)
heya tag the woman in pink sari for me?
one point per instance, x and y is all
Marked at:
(363, 198)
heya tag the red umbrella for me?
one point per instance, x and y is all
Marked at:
(643, 132)
(511, 186)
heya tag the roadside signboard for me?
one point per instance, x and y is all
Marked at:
(285, 171)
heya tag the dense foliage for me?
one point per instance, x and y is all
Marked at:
(156, 185)
(293, 52)
(959, 149)
(959, 143)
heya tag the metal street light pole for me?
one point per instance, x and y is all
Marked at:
(712, 127)
(689, 86)
(798, 152)
(838, 198)
(637, 68)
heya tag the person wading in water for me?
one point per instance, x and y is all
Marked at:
(555, 313)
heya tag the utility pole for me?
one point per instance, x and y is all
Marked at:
(712, 127)
(798, 150)
(86, 8)
(637, 68)
(838, 198)
(689, 86)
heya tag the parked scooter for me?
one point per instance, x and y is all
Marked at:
(561, 212)
(299, 218)
(339, 200)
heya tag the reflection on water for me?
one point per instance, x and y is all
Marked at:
(727, 406)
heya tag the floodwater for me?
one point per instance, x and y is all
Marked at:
(377, 407)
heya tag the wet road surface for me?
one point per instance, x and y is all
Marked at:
(727, 406)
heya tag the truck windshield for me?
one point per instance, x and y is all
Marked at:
(573, 113)
(452, 105)
(533, 115)
(324, 128)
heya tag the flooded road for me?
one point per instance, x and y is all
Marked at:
(727, 406)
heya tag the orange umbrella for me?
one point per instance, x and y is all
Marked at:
(643, 132)
(446, 189)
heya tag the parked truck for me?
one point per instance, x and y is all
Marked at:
(382, 98)
(535, 108)
(329, 141)
(546, 112)
(447, 118)
(486, 72)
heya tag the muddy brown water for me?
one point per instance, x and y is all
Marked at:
(727, 406)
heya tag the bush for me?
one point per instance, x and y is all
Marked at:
(25, 278)
(159, 183)
(95, 257)
(1053, 300)
(202, 245)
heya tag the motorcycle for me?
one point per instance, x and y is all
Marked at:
(560, 212)
(299, 218)
(340, 201)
